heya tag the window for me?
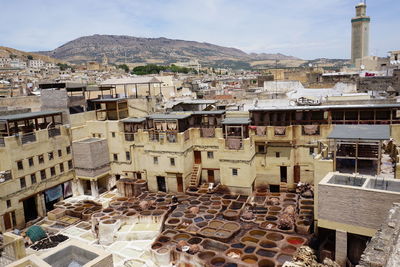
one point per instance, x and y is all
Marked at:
(172, 161)
(30, 161)
(13, 218)
(22, 182)
(113, 134)
(70, 166)
(115, 156)
(8, 203)
(20, 165)
(51, 155)
(210, 154)
(128, 155)
(68, 149)
(311, 150)
(52, 171)
(277, 154)
(59, 153)
(261, 149)
(155, 160)
(33, 178)
(43, 174)
(234, 172)
(61, 167)
(94, 135)
(41, 158)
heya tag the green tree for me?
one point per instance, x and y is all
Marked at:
(124, 67)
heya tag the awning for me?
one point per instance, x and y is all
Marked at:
(53, 193)
(365, 132)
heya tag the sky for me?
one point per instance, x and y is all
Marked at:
(306, 29)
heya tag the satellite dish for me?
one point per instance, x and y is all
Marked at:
(362, 67)
(310, 65)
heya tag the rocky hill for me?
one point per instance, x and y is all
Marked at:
(130, 49)
(11, 52)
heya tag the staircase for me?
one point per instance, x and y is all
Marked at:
(195, 176)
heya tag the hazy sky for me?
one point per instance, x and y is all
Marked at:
(302, 28)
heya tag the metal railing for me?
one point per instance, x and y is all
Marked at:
(129, 137)
(28, 138)
(54, 132)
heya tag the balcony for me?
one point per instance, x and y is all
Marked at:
(28, 138)
(234, 143)
(5, 176)
(130, 137)
(53, 132)
(207, 132)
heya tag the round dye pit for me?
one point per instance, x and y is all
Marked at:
(295, 240)
(250, 259)
(266, 253)
(289, 249)
(268, 244)
(257, 233)
(266, 263)
(274, 236)
(249, 249)
(238, 245)
(218, 261)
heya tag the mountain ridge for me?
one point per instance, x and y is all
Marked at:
(161, 50)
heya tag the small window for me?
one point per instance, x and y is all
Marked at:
(311, 150)
(59, 153)
(70, 165)
(234, 172)
(115, 156)
(113, 134)
(20, 165)
(51, 155)
(61, 167)
(8, 203)
(41, 159)
(210, 154)
(22, 182)
(52, 171)
(277, 154)
(30, 161)
(172, 161)
(261, 149)
(94, 135)
(155, 160)
(33, 178)
(68, 149)
(43, 174)
(128, 155)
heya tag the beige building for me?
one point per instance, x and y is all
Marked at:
(36, 166)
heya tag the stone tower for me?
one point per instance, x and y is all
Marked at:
(360, 33)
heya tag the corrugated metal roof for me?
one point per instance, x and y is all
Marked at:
(28, 115)
(131, 80)
(366, 106)
(134, 120)
(198, 102)
(169, 116)
(209, 112)
(109, 99)
(366, 132)
(236, 121)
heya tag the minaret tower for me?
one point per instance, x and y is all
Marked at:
(360, 33)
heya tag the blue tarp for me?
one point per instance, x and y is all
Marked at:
(53, 193)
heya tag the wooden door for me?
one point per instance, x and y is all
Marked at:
(179, 182)
(296, 173)
(197, 157)
(211, 176)
(7, 221)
